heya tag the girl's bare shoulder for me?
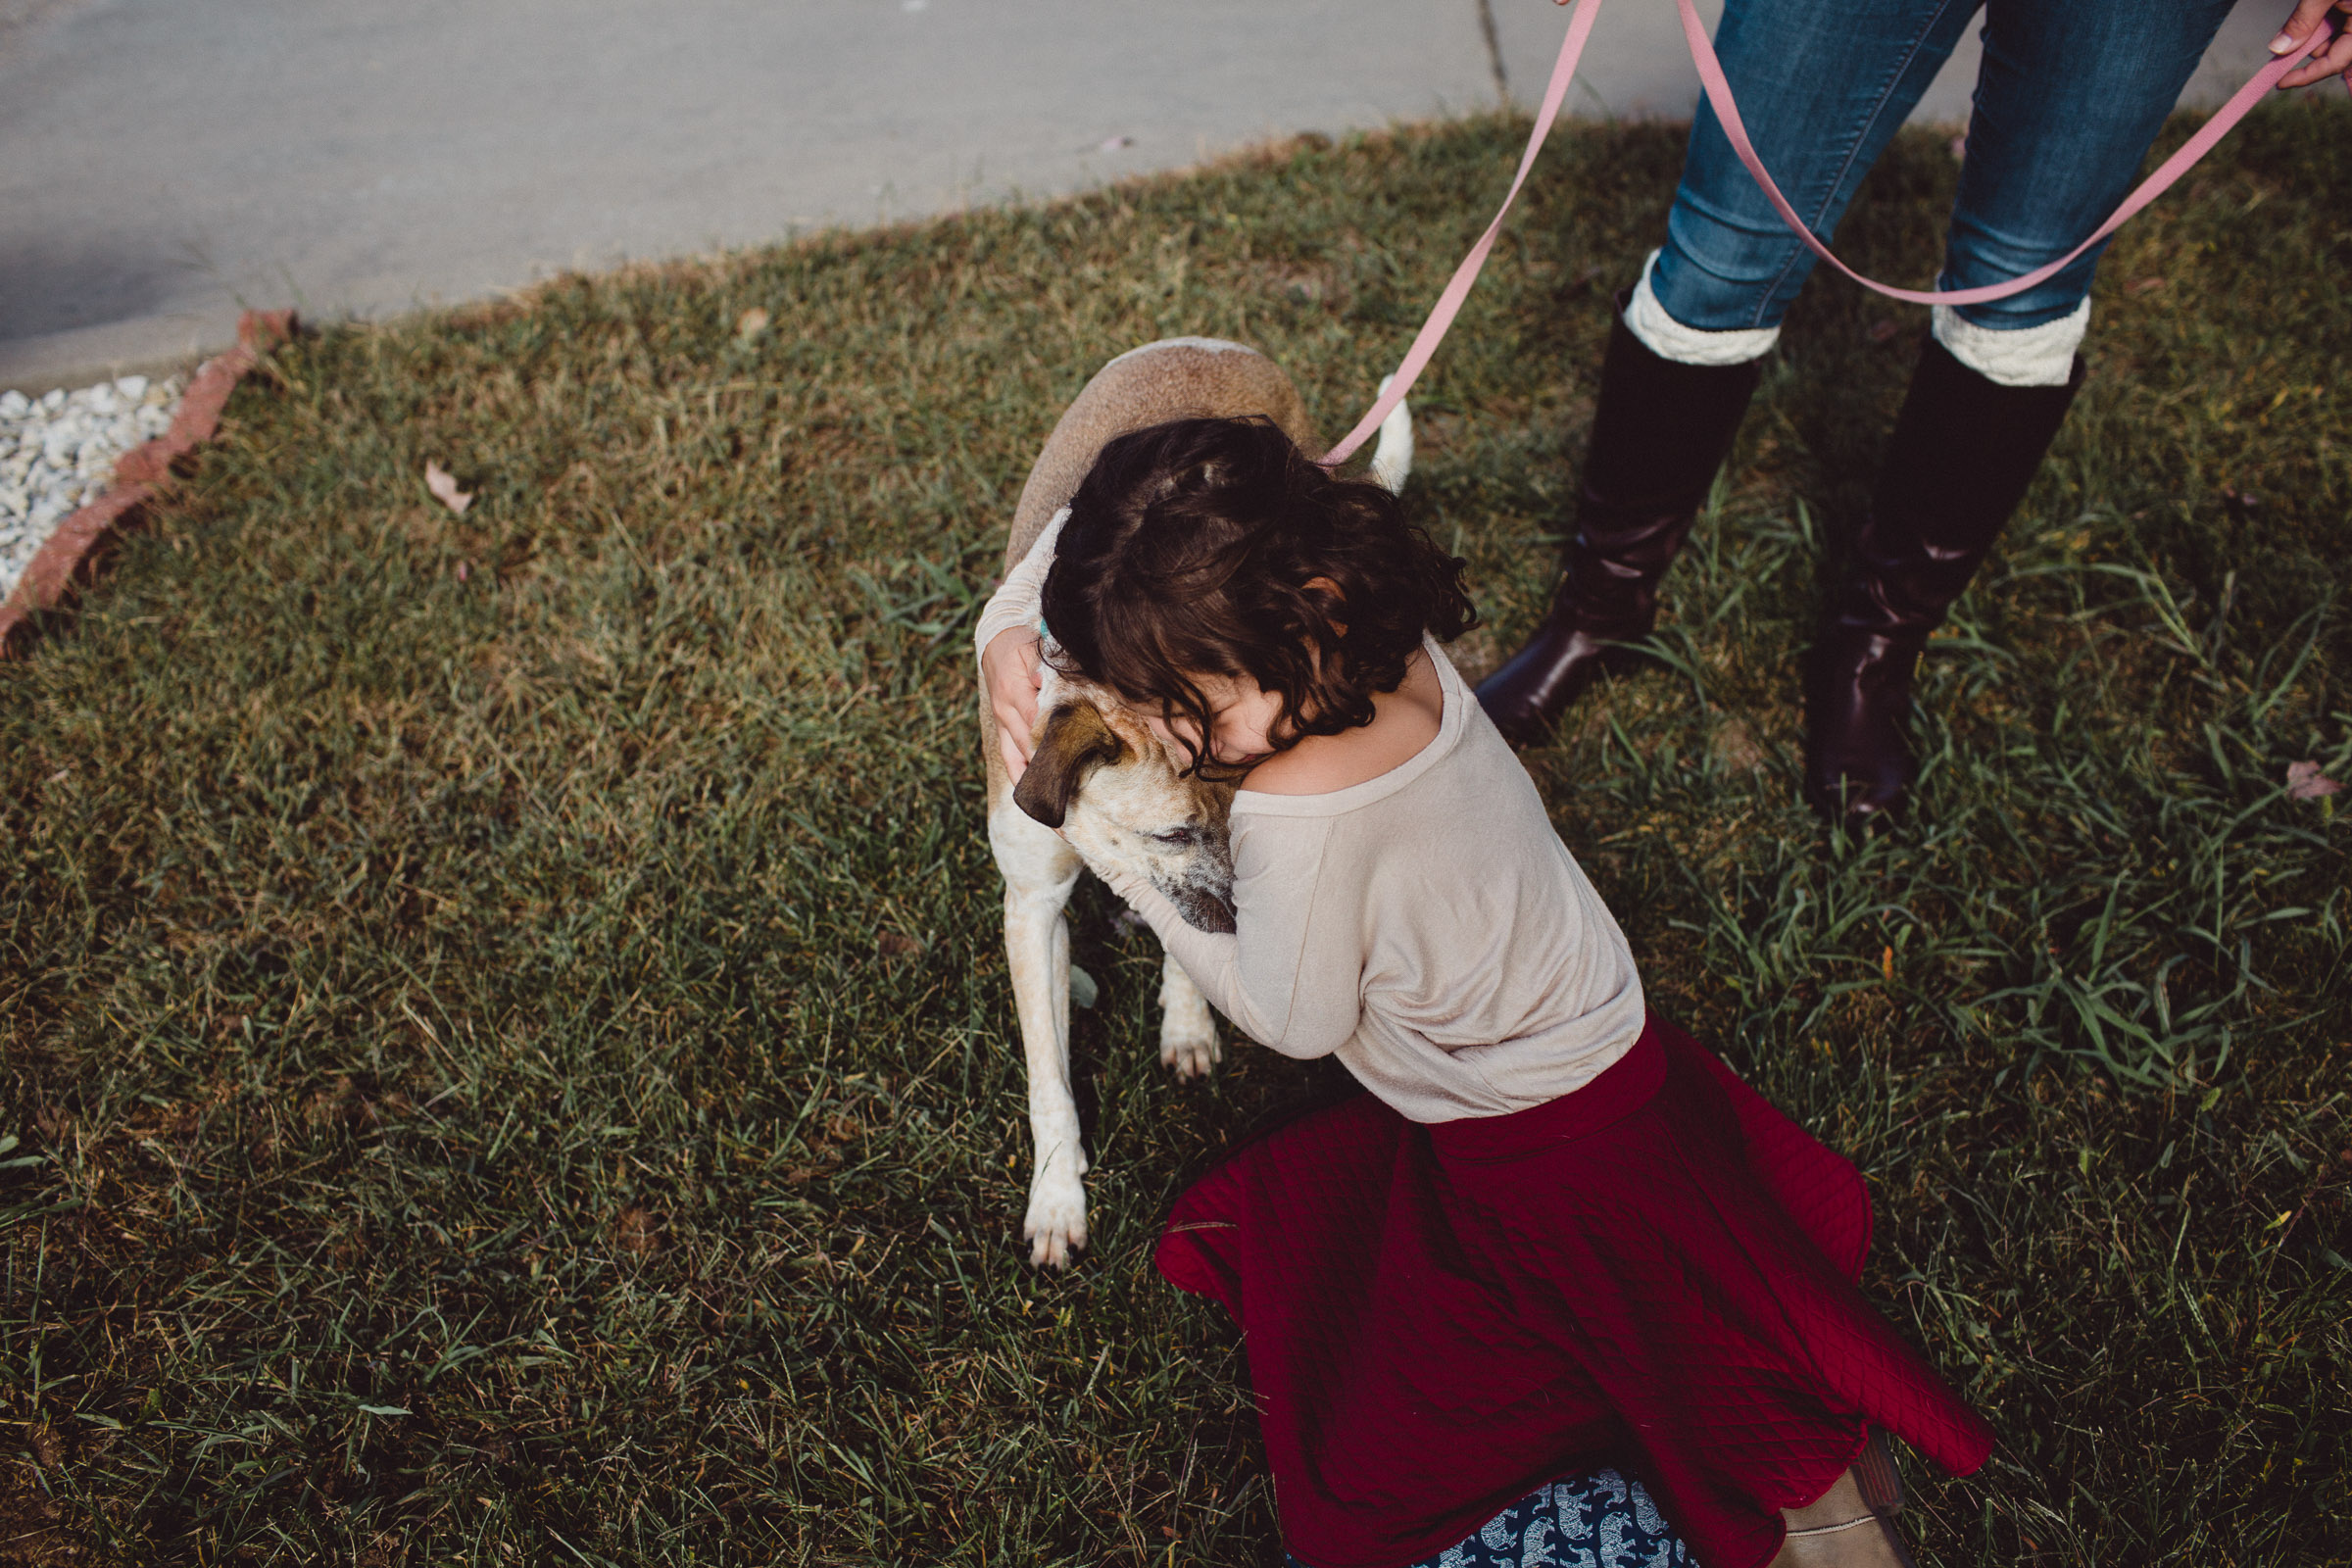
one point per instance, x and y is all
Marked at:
(1404, 722)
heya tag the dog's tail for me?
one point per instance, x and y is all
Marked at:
(1393, 458)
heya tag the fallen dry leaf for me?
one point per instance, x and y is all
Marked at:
(444, 486)
(1736, 746)
(2304, 782)
(635, 1230)
(2146, 285)
(897, 944)
(750, 324)
(47, 1446)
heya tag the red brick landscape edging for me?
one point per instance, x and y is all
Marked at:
(140, 474)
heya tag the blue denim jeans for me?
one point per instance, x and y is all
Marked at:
(2070, 96)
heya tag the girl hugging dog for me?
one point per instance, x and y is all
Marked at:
(1558, 1233)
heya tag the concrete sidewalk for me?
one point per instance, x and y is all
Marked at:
(162, 163)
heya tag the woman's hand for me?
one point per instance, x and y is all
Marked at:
(1009, 674)
(2331, 58)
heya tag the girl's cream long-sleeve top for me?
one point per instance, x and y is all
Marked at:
(1427, 926)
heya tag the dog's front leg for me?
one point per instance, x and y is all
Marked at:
(1040, 870)
(1188, 1030)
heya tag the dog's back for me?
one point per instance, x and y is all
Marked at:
(1174, 379)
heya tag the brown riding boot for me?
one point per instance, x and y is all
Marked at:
(1963, 452)
(1660, 432)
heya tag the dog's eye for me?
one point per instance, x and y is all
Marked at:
(1176, 838)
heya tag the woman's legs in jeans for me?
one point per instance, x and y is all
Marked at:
(2068, 100)
(1823, 85)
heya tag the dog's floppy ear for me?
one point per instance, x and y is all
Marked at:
(1076, 741)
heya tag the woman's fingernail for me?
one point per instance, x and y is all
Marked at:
(2283, 44)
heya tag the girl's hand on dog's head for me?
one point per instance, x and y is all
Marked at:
(1009, 672)
(2330, 59)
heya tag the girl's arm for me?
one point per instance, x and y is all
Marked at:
(1013, 607)
(1011, 648)
(1291, 975)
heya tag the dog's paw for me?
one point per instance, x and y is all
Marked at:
(1056, 1225)
(1188, 1045)
(1188, 1030)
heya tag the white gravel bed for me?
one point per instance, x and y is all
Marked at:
(57, 452)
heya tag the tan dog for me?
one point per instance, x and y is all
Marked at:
(1100, 776)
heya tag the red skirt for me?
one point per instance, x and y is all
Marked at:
(1656, 1270)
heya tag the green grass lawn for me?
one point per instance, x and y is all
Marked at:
(503, 1017)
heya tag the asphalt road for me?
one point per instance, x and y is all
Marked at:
(164, 162)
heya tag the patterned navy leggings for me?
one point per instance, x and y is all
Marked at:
(1595, 1520)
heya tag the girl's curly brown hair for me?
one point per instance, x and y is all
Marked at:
(1203, 547)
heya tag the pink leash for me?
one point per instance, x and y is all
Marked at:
(1719, 93)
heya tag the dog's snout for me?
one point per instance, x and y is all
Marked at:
(1203, 894)
(1204, 910)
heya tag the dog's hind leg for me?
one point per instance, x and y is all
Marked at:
(1040, 870)
(1188, 1030)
